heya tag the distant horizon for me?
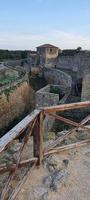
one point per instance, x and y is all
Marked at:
(27, 24)
(35, 49)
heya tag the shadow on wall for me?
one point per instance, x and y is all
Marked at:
(46, 97)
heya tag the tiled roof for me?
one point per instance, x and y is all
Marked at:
(47, 46)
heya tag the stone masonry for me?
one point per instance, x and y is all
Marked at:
(86, 88)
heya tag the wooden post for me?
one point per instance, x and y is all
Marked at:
(38, 138)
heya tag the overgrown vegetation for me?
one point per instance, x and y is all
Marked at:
(8, 79)
(13, 55)
(70, 52)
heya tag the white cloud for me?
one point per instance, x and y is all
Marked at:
(29, 41)
(70, 40)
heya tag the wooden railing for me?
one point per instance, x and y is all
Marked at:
(50, 110)
(30, 125)
(33, 125)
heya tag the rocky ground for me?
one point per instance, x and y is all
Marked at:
(63, 176)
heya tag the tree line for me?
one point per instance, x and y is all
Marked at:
(13, 55)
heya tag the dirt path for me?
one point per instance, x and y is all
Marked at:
(77, 186)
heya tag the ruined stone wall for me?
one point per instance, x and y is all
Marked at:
(76, 63)
(57, 77)
(42, 53)
(14, 63)
(15, 102)
(45, 98)
(86, 88)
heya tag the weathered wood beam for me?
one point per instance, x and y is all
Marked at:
(63, 119)
(71, 122)
(41, 137)
(12, 173)
(21, 183)
(61, 138)
(38, 138)
(64, 107)
(18, 129)
(4, 168)
(86, 119)
(67, 147)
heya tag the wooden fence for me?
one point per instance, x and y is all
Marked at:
(33, 125)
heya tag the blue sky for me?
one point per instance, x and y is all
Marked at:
(25, 24)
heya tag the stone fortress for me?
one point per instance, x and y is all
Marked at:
(66, 75)
(72, 63)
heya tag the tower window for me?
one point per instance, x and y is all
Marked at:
(50, 50)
